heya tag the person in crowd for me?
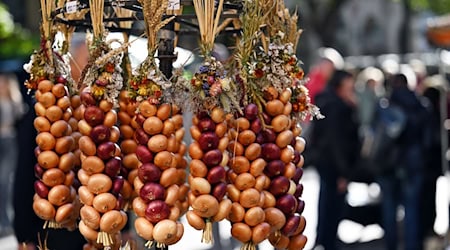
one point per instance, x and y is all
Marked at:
(403, 182)
(79, 55)
(433, 154)
(319, 76)
(336, 139)
(11, 110)
(369, 89)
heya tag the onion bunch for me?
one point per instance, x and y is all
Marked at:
(128, 145)
(161, 173)
(55, 200)
(265, 171)
(247, 180)
(102, 185)
(282, 151)
(207, 178)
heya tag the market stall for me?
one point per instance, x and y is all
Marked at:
(112, 143)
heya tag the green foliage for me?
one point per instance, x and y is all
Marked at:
(437, 6)
(15, 41)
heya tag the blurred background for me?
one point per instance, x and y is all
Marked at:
(372, 39)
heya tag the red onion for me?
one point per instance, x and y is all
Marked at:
(279, 185)
(106, 150)
(251, 111)
(144, 154)
(212, 158)
(156, 211)
(291, 225)
(206, 125)
(94, 116)
(208, 141)
(287, 204)
(148, 172)
(41, 189)
(100, 134)
(152, 191)
(216, 174)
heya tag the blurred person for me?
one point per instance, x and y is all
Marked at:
(11, 110)
(79, 55)
(402, 183)
(318, 77)
(320, 73)
(369, 89)
(433, 155)
(336, 139)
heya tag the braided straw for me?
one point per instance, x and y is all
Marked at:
(153, 11)
(208, 23)
(96, 10)
(47, 7)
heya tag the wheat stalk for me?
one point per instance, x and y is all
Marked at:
(207, 22)
(47, 6)
(96, 9)
(124, 13)
(153, 11)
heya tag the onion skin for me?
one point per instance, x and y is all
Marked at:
(212, 158)
(208, 141)
(205, 205)
(148, 172)
(41, 189)
(90, 217)
(279, 241)
(216, 175)
(144, 228)
(195, 221)
(144, 154)
(270, 152)
(94, 116)
(200, 186)
(165, 231)
(87, 232)
(249, 198)
(287, 204)
(99, 183)
(241, 231)
(219, 190)
(198, 168)
(104, 202)
(113, 166)
(157, 211)
(111, 222)
(254, 216)
(59, 195)
(275, 218)
(44, 209)
(53, 177)
(48, 159)
(64, 213)
(274, 168)
(245, 181)
(86, 197)
(291, 225)
(224, 210)
(297, 242)
(152, 191)
(260, 232)
(251, 111)
(106, 150)
(279, 185)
